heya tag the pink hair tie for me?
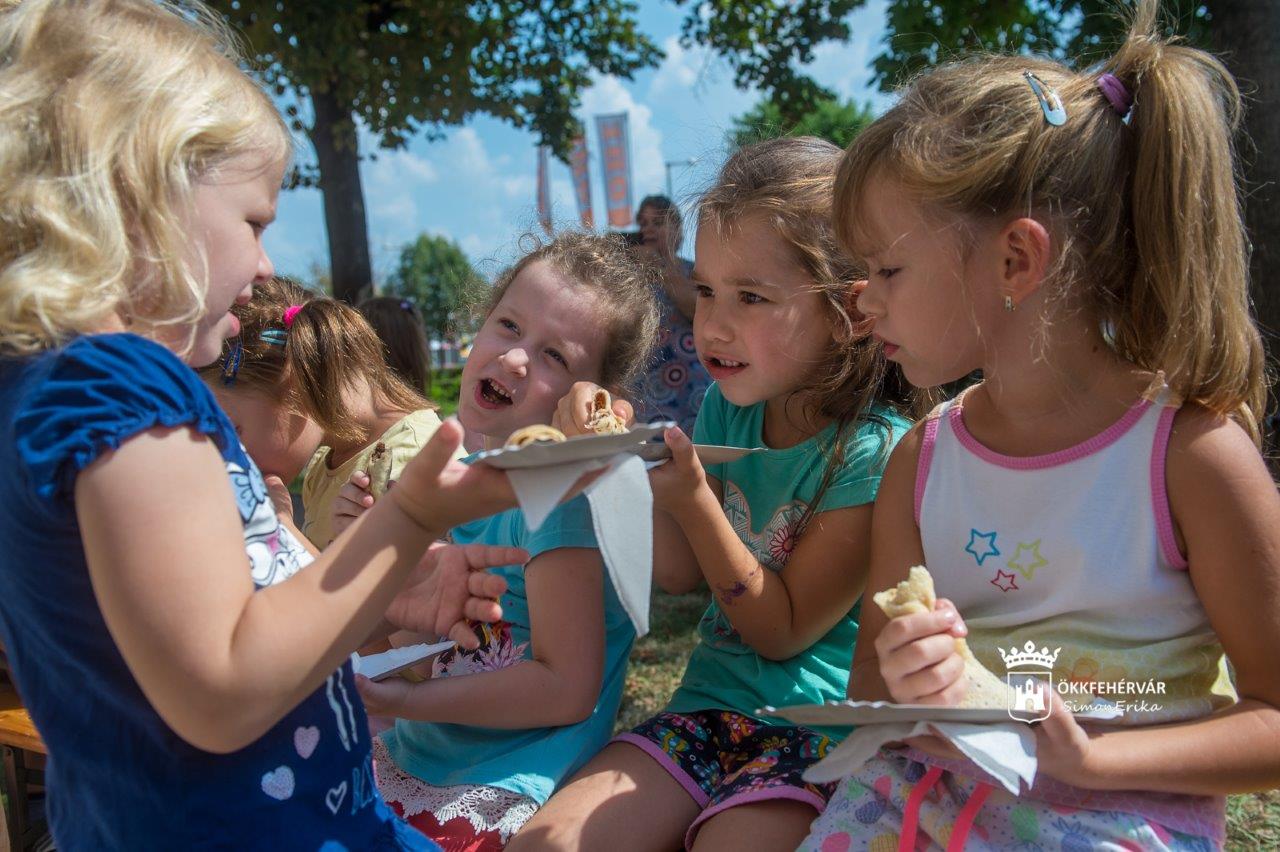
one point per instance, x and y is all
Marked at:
(1116, 94)
(289, 313)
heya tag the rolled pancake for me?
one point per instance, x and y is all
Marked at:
(916, 594)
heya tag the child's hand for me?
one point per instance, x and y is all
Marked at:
(353, 500)
(1063, 748)
(676, 483)
(440, 493)
(918, 659)
(281, 499)
(448, 586)
(386, 697)
(574, 410)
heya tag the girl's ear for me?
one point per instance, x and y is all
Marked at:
(1024, 247)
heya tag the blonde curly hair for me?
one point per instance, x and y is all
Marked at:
(110, 112)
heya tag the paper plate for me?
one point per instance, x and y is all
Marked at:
(876, 712)
(575, 449)
(379, 666)
(707, 453)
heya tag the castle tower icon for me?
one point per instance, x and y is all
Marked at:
(1028, 698)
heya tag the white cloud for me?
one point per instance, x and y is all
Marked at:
(680, 70)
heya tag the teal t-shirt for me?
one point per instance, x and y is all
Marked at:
(529, 761)
(765, 496)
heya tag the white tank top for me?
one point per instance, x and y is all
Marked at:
(1073, 550)
(1076, 550)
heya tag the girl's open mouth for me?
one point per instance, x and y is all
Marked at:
(491, 395)
(723, 368)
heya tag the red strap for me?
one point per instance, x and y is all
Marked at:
(911, 816)
(960, 831)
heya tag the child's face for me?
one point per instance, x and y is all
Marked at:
(923, 296)
(657, 231)
(544, 335)
(761, 327)
(278, 440)
(232, 209)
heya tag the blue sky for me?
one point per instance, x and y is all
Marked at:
(477, 184)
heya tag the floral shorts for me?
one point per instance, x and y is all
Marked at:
(462, 818)
(724, 759)
(895, 802)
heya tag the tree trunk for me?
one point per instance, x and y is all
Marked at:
(1247, 35)
(338, 157)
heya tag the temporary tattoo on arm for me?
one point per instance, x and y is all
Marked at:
(729, 594)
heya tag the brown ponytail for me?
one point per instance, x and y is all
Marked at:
(310, 364)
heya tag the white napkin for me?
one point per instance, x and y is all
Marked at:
(376, 666)
(621, 513)
(1007, 752)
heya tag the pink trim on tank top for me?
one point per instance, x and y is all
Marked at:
(925, 460)
(1098, 442)
(1160, 494)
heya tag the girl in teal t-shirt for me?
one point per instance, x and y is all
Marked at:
(781, 537)
(481, 744)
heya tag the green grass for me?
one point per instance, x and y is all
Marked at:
(657, 662)
(444, 389)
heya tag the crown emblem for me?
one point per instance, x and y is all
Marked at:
(1029, 656)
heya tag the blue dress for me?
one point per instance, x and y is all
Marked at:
(118, 776)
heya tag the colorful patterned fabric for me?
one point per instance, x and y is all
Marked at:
(675, 385)
(725, 759)
(896, 802)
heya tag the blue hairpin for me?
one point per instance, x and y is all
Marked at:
(406, 305)
(231, 362)
(275, 336)
(1054, 112)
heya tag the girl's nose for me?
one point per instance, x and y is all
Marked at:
(515, 361)
(870, 302)
(266, 269)
(711, 322)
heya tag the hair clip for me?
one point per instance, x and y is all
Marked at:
(406, 305)
(231, 362)
(289, 314)
(275, 336)
(1116, 94)
(1050, 104)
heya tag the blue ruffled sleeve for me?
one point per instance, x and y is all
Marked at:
(95, 394)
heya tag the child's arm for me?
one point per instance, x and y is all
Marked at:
(675, 565)
(1227, 509)
(220, 662)
(777, 614)
(559, 686)
(920, 662)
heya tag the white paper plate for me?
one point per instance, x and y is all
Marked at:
(384, 665)
(707, 453)
(577, 448)
(875, 712)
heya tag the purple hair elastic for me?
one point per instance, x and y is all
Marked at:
(1117, 95)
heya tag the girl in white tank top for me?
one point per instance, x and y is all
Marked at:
(1075, 237)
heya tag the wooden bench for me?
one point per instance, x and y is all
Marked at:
(23, 767)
